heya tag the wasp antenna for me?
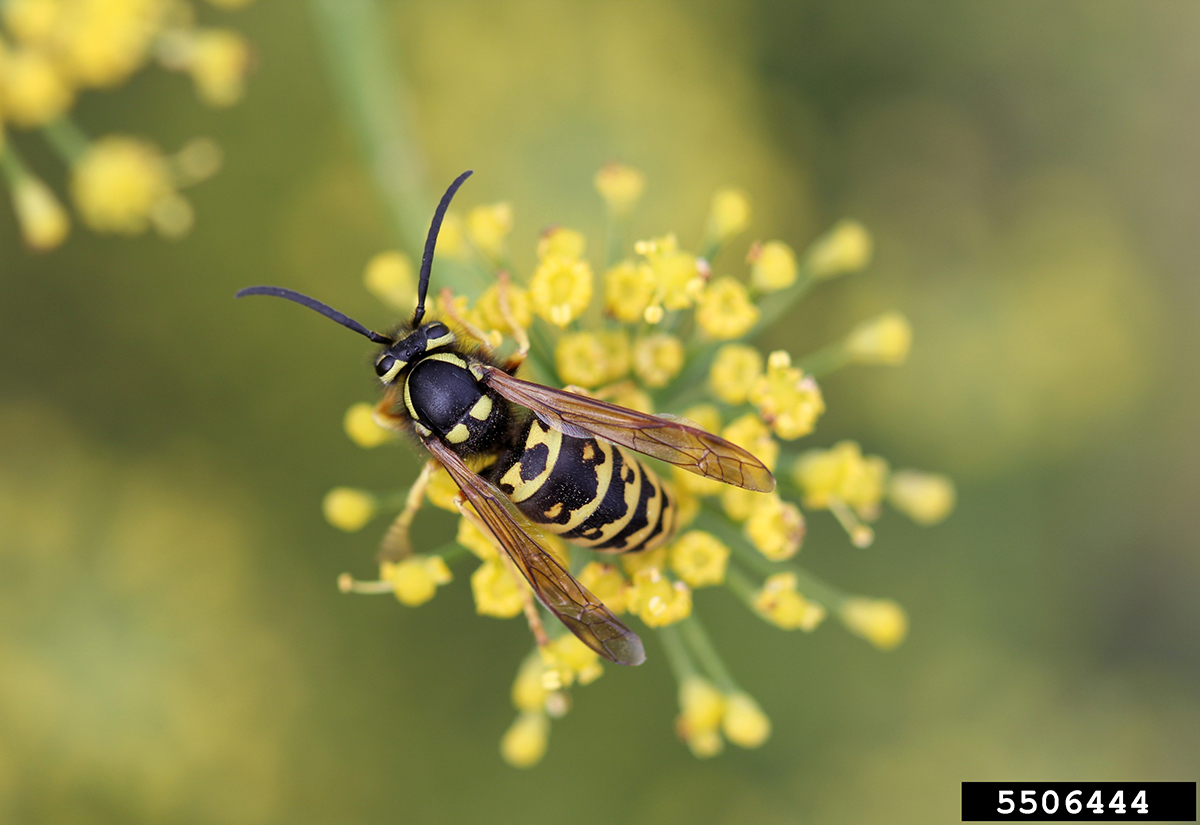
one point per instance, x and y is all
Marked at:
(431, 242)
(314, 304)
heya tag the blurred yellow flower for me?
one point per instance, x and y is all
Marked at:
(488, 228)
(729, 214)
(349, 509)
(390, 277)
(744, 722)
(606, 583)
(524, 744)
(775, 528)
(361, 427)
(845, 248)
(43, 220)
(881, 622)
(780, 603)
(495, 590)
(699, 558)
(561, 289)
(882, 340)
(620, 186)
(657, 601)
(657, 359)
(735, 372)
(558, 240)
(926, 498)
(628, 291)
(787, 399)
(34, 91)
(119, 183)
(415, 580)
(772, 266)
(725, 310)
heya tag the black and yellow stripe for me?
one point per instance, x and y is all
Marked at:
(588, 491)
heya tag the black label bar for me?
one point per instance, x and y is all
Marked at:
(1074, 801)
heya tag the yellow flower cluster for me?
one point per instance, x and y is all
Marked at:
(671, 336)
(51, 52)
(705, 713)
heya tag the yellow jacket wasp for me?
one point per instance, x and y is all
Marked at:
(567, 468)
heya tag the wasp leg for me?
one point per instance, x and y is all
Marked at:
(503, 291)
(384, 414)
(396, 545)
(447, 308)
(527, 603)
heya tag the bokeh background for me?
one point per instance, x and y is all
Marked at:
(172, 646)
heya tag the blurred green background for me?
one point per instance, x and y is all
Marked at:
(173, 647)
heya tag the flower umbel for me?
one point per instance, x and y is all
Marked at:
(673, 337)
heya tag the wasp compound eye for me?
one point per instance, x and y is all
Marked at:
(387, 367)
(436, 330)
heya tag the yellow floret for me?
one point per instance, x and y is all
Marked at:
(529, 690)
(589, 360)
(781, 604)
(524, 744)
(390, 277)
(219, 61)
(926, 498)
(699, 558)
(361, 427)
(739, 504)
(705, 416)
(628, 291)
(573, 660)
(119, 183)
(43, 220)
(558, 240)
(620, 186)
(442, 490)
(844, 248)
(883, 340)
(881, 622)
(655, 559)
(775, 528)
(606, 583)
(751, 434)
(787, 399)
(772, 266)
(415, 580)
(561, 289)
(734, 372)
(677, 276)
(657, 359)
(701, 705)
(725, 311)
(102, 42)
(488, 228)
(657, 601)
(348, 509)
(519, 308)
(31, 21)
(496, 592)
(472, 538)
(843, 474)
(729, 215)
(744, 722)
(35, 92)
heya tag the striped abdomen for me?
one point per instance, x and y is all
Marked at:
(588, 491)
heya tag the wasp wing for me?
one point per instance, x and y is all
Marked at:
(676, 443)
(582, 613)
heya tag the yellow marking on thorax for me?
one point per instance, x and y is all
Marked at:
(412, 411)
(538, 434)
(458, 434)
(450, 358)
(482, 408)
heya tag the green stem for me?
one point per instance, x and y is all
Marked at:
(367, 78)
(701, 646)
(12, 165)
(677, 653)
(67, 139)
(741, 586)
(825, 360)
